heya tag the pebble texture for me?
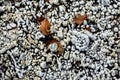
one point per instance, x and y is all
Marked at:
(89, 54)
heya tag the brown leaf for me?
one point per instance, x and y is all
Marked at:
(45, 27)
(88, 28)
(51, 41)
(47, 1)
(39, 19)
(79, 19)
(60, 49)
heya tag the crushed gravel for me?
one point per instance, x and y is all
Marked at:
(88, 55)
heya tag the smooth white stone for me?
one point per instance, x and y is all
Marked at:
(116, 29)
(43, 64)
(53, 47)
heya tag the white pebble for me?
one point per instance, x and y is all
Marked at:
(53, 47)
(17, 4)
(75, 9)
(82, 2)
(62, 8)
(54, 1)
(116, 29)
(115, 6)
(64, 23)
(43, 64)
(13, 25)
(8, 27)
(66, 55)
(60, 33)
(66, 16)
(29, 67)
(36, 50)
(49, 14)
(39, 73)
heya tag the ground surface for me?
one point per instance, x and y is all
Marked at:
(89, 54)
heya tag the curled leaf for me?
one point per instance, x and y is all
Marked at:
(60, 48)
(39, 19)
(45, 27)
(79, 19)
(51, 41)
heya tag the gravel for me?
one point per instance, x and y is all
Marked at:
(88, 54)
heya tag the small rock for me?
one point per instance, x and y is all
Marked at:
(17, 4)
(43, 64)
(109, 26)
(8, 74)
(53, 47)
(30, 39)
(62, 8)
(49, 14)
(29, 67)
(36, 78)
(85, 22)
(49, 58)
(41, 46)
(64, 23)
(54, 1)
(20, 75)
(116, 29)
(60, 33)
(2, 10)
(59, 64)
(66, 16)
(39, 73)
(113, 54)
(9, 27)
(82, 2)
(105, 50)
(75, 9)
(36, 50)
(66, 55)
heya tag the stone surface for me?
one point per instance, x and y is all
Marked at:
(88, 53)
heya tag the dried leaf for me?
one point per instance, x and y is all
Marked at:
(79, 19)
(47, 1)
(88, 28)
(45, 27)
(51, 41)
(60, 48)
(39, 19)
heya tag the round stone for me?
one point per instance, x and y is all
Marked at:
(43, 64)
(53, 47)
(116, 29)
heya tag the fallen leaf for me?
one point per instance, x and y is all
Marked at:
(88, 28)
(45, 27)
(47, 1)
(79, 19)
(60, 49)
(39, 19)
(51, 41)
